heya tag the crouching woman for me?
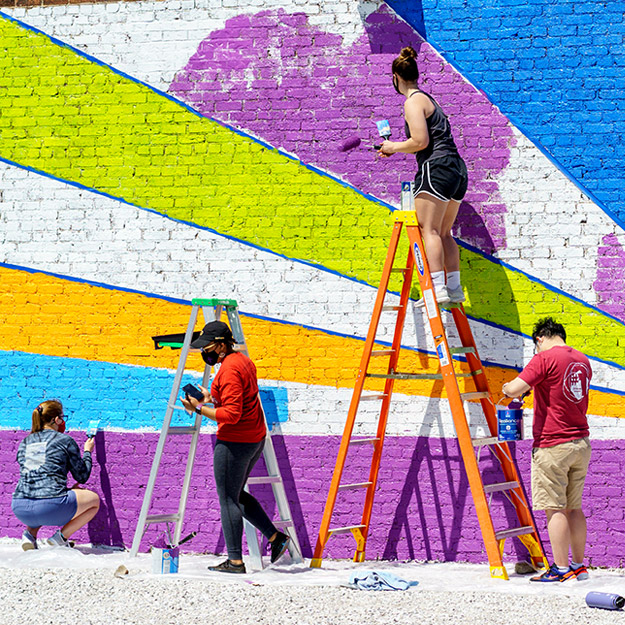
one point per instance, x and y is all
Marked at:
(42, 497)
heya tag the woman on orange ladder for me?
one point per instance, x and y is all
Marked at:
(441, 181)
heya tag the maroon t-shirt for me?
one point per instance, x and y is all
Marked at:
(560, 377)
(239, 414)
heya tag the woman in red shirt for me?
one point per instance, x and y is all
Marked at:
(240, 440)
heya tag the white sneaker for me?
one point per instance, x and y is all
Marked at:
(442, 297)
(28, 541)
(456, 296)
(58, 540)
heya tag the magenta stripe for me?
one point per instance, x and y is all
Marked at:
(423, 509)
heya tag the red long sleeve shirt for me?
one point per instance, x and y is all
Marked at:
(234, 390)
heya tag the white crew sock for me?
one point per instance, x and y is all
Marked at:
(453, 280)
(438, 280)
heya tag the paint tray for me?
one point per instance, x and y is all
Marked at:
(174, 341)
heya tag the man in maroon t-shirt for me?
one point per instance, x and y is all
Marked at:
(560, 377)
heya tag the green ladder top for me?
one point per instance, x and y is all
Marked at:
(214, 302)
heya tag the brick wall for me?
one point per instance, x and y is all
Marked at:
(157, 151)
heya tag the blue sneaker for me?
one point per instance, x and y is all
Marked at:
(581, 573)
(553, 575)
(58, 540)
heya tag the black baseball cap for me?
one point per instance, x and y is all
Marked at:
(213, 331)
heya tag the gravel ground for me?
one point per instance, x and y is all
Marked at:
(95, 597)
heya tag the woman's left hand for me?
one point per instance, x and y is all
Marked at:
(387, 149)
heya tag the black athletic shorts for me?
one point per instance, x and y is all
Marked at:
(444, 178)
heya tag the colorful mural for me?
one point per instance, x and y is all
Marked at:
(131, 183)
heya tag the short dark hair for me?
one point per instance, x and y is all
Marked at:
(548, 327)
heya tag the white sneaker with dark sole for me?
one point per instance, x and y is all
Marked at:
(28, 541)
(441, 298)
(58, 540)
(456, 296)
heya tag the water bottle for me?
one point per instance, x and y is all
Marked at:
(605, 600)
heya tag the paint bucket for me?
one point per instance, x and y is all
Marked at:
(509, 423)
(165, 560)
(605, 600)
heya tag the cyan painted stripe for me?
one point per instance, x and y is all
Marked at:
(121, 396)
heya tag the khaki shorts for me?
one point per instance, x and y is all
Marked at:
(558, 475)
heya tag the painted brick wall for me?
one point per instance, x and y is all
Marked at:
(555, 68)
(423, 509)
(152, 152)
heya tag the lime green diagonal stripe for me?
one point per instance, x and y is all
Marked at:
(73, 118)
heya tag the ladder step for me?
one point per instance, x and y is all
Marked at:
(406, 376)
(487, 440)
(495, 488)
(162, 518)
(475, 395)
(182, 429)
(264, 479)
(283, 523)
(515, 531)
(382, 352)
(346, 529)
(355, 485)
(389, 307)
(372, 397)
(462, 350)
(362, 441)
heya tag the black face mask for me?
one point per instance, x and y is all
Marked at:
(210, 358)
(396, 84)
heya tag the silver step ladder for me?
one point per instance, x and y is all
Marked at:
(212, 310)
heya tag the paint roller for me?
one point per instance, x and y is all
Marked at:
(384, 128)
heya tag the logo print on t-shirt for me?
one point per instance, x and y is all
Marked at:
(576, 382)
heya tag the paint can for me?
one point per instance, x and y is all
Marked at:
(165, 560)
(605, 600)
(509, 422)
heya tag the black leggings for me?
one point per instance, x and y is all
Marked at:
(233, 463)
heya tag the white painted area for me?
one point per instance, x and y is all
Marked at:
(152, 41)
(432, 576)
(553, 231)
(53, 226)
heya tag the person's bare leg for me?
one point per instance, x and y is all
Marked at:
(578, 531)
(559, 536)
(450, 247)
(88, 506)
(430, 213)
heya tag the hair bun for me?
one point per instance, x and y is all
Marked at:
(408, 53)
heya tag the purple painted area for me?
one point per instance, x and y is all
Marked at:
(275, 75)
(610, 283)
(423, 509)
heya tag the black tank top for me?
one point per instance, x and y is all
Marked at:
(439, 132)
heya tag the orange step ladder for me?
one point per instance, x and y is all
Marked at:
(470, 448)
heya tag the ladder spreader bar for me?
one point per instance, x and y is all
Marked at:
(475, 395)
(372, 397)
(264, 479)
(495, 488)
(515, 531)
(382, 352)
(462, 350)
(488, 440)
